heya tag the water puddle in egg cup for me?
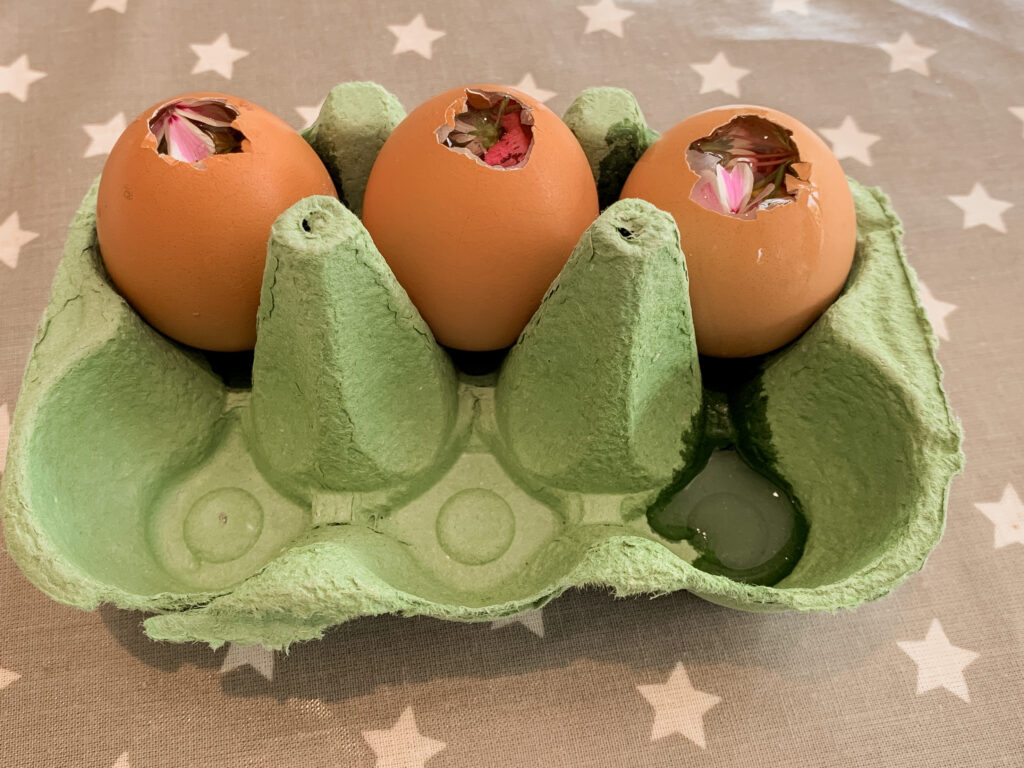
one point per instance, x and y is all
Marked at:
(742, 524)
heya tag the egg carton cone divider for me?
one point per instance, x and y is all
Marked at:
(362, 473)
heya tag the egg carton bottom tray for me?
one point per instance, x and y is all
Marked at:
(360, 473)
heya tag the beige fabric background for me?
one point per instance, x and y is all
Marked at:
(590, 681)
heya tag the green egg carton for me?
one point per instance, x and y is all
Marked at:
(351, 466)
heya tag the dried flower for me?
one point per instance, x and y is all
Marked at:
(495, 128)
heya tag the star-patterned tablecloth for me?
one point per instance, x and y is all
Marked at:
(924, 98)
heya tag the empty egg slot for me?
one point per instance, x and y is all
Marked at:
(740, 523)
(740, 519)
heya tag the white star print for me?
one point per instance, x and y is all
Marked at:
(217, 57)
(1007, 515)
(256, 656)
(936, 310)
(1019, 112)
(122, 761)
(12, 237)
(940, 664)
(530, 88)
(17, 76)
(415, 36)
(604, 16)
(104, 135)
(113, 5)
(980, 208)
(532, 620)
(794, 6)
(678, 707)
(402, 745)
(5, 431)
(849, 141)
(906, 54)
(309, 114)
(719, 75)
(6, 676)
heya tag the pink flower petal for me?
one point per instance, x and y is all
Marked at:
(185, 141)
(511, 148)
(734, 186)
(208, 113)
(190, 130)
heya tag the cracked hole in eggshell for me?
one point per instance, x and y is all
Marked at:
(748, 165)
(492, 127)
(192, 129)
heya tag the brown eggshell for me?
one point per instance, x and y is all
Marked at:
(475, 246)
(186, 245)
(755, 284)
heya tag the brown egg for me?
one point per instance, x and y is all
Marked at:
(186, 201)
(760, 272)
(476, 231)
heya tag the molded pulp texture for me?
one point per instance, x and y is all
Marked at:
(358, 472)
